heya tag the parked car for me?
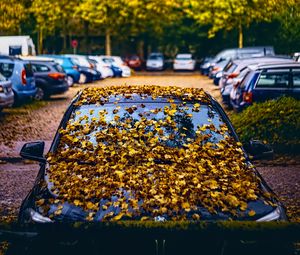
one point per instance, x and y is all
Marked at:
(117, 65)
(235, 71)
(102, 67)
(206, 63)
(19, 72)
(217, 69)
(141, 143)
(71, 69)
(155, 62)
(6, 93)
(50, 78)
(184, 62)
(134, 62)
(241, 53)
(86, 69)
(267, 81)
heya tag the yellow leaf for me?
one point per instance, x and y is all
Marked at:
(251, 213)
(118, 217)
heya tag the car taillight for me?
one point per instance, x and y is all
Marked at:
(232, 75)
(92, 66)
(56, 76)
(216, 69)
(247, 97)
(23, 77)
(75, 67)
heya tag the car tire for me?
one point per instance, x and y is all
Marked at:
(83, 78)
(70, 80)
(40, 94)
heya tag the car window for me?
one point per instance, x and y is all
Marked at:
(273, 80)
(6, 69)
(108, 60)
(248, 79)
(40, 68)
(188, 121)
(232, 68)
(28, 70)
(58, 68)
(296, 78)
(2, 78)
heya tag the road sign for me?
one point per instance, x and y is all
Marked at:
(74, 43)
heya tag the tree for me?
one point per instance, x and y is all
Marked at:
(108, 15)
(12, 13)
(51, 15)
(230, 14)
(127, 17)
(289, 18)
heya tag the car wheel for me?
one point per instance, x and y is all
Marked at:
(40, 94)
(82, 78)
(70, 80)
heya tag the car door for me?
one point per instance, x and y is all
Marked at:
(272, 83)
(41, 71)
(295, 92)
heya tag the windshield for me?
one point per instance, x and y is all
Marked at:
(186, 124)
(155, 57)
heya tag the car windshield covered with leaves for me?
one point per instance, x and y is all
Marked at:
(147, 153)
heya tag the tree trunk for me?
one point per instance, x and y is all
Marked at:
(40, 41)
(86, 37)
(241, 36)
(140, 49)
(64, 36)
(107, 43)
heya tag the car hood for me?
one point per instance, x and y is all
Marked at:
(70, 212)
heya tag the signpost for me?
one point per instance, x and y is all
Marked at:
(74, 44)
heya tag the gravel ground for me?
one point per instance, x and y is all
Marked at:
(39, 121)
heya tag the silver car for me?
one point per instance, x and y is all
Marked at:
(6, 93)
(155, 62)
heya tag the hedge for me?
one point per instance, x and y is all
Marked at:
(276, 122)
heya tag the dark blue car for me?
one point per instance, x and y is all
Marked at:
(268, 81)
(71, 69)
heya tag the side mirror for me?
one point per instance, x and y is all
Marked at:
(33, 151)
(259, 150)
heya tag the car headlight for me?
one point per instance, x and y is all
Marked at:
(1, 89)
(37, 217)
(277, 214)
(219, 75)
(206, 65)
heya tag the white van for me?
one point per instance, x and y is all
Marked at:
(17, 45)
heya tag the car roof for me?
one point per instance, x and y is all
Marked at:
(37, 58)
(184, 55)
(278, 65)
(260, 59)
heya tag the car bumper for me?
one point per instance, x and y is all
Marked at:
(6, 100)
(26, 94)
(184, 67)
(154, 68)
(126, 72)
(57, 89)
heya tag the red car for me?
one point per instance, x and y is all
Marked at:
(134, 62)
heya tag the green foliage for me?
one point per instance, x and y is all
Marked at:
(276, 122)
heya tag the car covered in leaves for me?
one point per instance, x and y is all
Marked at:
(147, 153)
